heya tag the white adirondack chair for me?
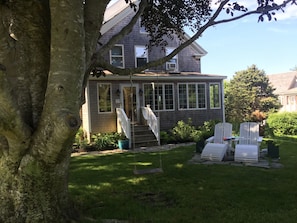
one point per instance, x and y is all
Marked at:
(247, 148)
(216, 147)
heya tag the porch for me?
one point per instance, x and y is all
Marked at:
(140, 134)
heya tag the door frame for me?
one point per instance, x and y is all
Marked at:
(137, 109)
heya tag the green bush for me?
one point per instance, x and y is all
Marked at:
(80, 140)
(104, 141)
(207, 130)
(280, 124)
(183, 131)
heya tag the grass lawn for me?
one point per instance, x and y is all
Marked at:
(104, 187)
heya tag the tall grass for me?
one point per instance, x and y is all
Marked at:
(104, 187)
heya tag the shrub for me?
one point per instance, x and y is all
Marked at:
(207, 130)
(80, 140)
(284, 123)
(183, 131)
(104, 141)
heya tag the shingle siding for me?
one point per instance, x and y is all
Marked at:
(185, 57)
(106, 122)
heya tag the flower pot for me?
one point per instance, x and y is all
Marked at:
(123, 144)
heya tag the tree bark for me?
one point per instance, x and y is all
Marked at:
(43, 58)
(36, 192)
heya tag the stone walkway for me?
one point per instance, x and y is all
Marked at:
(140, 149)
(196, 159)
(263, 162)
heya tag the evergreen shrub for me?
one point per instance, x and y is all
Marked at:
(280, 124)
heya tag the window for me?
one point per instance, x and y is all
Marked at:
(159, 96)
(141, 56)
(117, 56)
(214, 95)
(191, 96)
(104, 97)
(172, 64)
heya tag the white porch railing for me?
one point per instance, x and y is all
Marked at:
(152, 121)
(123, 124)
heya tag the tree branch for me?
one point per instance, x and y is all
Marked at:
(125, 30)
(259, 10)
(12, 127)
(93, 19)
(60, 116)
(101, 62)
(263, 10)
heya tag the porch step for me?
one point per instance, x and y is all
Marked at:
(143, 136)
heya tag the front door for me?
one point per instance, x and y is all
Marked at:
(130, 101)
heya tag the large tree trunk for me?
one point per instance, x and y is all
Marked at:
(45, 47)
(36, 192)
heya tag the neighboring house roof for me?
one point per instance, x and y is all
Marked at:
(116, 12)
(284, 83)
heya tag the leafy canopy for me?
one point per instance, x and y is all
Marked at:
(169, 18)
(248, 94)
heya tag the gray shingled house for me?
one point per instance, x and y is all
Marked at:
(158, 97)
(285, 85)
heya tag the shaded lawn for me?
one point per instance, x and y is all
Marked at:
(104, 187)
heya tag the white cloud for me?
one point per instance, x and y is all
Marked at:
(290, 13)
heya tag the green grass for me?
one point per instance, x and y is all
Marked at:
(104, 187)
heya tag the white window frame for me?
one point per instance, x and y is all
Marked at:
(219, 95)
(98, 98)
(196, 93)
(154, 106)
(174, 60)
(118, 56)
(145, 55)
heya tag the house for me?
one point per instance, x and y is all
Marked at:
(285, 85)
(160, 96)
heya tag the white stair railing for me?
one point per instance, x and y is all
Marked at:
(123, 124)
(152, 120)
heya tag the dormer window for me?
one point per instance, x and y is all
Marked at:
(172, 64)
(117, 56)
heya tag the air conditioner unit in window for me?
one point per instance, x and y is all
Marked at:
(171, 66)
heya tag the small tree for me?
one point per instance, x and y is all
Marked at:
(249, 91)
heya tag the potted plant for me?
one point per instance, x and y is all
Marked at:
(123, 141)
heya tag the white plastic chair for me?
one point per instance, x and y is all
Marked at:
(216, 147)
(247, 149)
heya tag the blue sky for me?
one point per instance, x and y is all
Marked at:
(231, 47)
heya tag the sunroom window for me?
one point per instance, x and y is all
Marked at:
(191, 96)
(159, 96)
(214, 95)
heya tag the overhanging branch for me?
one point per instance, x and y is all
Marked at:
(211, 22)
(259, 11)
(125, 30)
(102, 63)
